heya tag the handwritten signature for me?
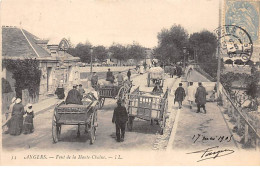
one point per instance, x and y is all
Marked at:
(212, 153)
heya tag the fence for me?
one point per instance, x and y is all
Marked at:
(26, 98)
(246, 125)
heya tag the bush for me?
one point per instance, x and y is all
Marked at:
(26, 74)
(6, 87)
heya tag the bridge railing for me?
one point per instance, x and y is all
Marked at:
(246, 125)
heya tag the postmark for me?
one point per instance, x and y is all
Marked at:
(234, 42)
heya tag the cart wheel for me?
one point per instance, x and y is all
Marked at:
(130, 123)
(92, 135)
(92, 132)
(56, 130)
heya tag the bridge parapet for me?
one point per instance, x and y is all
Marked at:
(246, 123)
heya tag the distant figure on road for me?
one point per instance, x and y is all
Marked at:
(28, 121)
(200, 98)
(81, 90)
(179, 71)
(60, 91)
(189, 72)
(191, 94)
(73, 96)
(110, 76)
(120, 79)
(179, 95)
(94, 80)
(129, 74)
(120, 118)
(16, 124)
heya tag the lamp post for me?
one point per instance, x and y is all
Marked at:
(184, 56)
(91, 51)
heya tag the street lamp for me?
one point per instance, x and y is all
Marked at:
(184, 56)
(91, 51)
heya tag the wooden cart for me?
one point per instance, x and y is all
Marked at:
(115, 92)
(146, 106)
(73, 114)
(155, 74)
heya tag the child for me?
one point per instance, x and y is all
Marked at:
(28, 122)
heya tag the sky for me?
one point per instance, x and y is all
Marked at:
(104, 22)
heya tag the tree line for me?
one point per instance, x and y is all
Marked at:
(200, 46)
(101, 53)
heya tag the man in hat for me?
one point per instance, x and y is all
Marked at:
(73, 96)
(129, 74)
(120, 118)
(179, 95)
(200, 98)
(94, 80)
(110, 76)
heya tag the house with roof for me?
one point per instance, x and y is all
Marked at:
(56, 65)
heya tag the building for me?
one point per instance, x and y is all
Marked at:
(55, 64)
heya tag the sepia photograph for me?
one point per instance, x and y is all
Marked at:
(130, 83)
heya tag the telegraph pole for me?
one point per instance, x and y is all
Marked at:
(218, 48)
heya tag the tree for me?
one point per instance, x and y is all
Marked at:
(27, 75)
(171, 43)
(100, 53)
(118, 52)
(135, 51)
(82, 51)
(205, 45)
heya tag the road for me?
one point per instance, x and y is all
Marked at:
(142, 137)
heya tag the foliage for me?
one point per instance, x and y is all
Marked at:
(253, 88)
(171, 43)
(100, 53)
(83, 51)
(118, 52)
(135, 51)
(26, 73)
(6, 87)
(205, 45)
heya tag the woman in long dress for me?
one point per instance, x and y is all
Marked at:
(28, 121)
(16, 124)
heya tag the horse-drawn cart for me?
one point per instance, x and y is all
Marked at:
(115, 92)
(146, 106)
(73, 114)
(155, 74)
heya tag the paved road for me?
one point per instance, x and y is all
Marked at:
(142, 137)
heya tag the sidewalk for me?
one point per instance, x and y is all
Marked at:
(193, 130)
(46, 104)
(199, 130)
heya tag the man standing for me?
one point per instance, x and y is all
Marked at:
(120, 79)
(94, 80)
(179, 95)
(110, 76)
(200, 98)
(129, 74)
(73, 96)
(120, 118)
